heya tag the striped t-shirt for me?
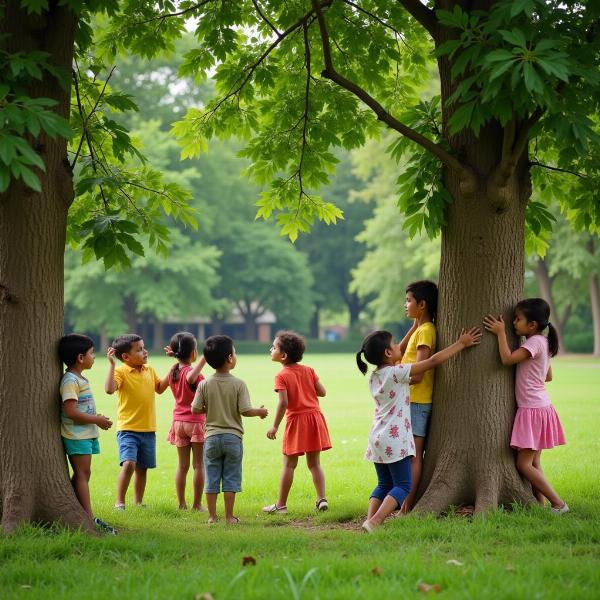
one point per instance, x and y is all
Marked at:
(75, 387)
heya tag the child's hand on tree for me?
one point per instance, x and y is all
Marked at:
(103, 422)
(272, 433)
(494, 324)
(470, 338)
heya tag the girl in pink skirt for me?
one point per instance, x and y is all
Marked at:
(536, 425)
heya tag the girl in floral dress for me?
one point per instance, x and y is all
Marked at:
(391, 443)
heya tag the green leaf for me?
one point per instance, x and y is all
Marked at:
(30, 179)
(533, 82)
(515, 36)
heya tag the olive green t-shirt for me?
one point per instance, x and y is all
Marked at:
(223, 398)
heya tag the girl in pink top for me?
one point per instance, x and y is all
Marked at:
(187, 430)
(306, 431)
(536, 425)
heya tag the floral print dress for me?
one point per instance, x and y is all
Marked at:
(390, 438)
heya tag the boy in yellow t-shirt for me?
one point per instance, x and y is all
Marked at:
(420, 341)
(136, 384)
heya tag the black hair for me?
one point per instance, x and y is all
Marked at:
(373, 347)
(183, 345)
(70, 346)
(292, 343)
(123, 343)
(216, 350)
(428, 291)
(538, 310)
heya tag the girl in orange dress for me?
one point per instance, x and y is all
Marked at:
(305, 429)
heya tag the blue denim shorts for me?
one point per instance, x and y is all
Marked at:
(223, 454)
(419, 416)
(138, 447)
(89, 446)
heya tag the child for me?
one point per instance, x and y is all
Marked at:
(78, 419)
(420, 305)
(536, 425)
(391, 444)
(187, 430)
(305, 430)
(136, 417)
(224, 399)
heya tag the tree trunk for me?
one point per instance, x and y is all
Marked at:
(131, 316)
(158, 342)
(250, 331)
(315, 325)
(545, 284)
(355, 305)
(34, 479)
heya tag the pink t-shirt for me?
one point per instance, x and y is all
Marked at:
(530, 388)
(184, 395)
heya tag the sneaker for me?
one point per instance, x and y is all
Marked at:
(322, 504)
(273, 508)
(562, 510)
(119, 507)
(106, 528)
(368, 526)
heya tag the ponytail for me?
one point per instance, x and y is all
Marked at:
(174, 374)
(360, 363)
(552, 339)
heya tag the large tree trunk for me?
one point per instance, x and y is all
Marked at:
(34, 480)
(545, 284)
(468, 459)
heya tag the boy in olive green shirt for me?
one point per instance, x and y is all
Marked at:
(224, 398)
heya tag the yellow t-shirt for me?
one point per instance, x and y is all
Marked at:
(136, 389)
(425, 335)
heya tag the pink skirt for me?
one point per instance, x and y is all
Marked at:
(537, 429)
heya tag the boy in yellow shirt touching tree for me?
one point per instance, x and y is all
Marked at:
(136, 384)
(420, 341)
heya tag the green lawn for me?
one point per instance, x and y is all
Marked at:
(161, 552)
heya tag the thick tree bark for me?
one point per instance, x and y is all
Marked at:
(545, 284)
(34, 481)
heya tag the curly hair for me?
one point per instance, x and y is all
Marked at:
(292, 344)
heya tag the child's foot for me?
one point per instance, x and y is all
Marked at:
(368, 526)
(560, 510)
(273, 508)
(183, 507)
(140, 505)
(199, 508)
(119, 506)
(321, 504)
(212, 520)
(105, 527)
(233, 521)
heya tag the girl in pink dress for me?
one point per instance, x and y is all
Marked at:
(536, 425)
(187, 430)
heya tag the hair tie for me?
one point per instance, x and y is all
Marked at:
(548, 324)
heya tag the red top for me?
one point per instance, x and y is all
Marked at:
(299, 383)
(184, 395)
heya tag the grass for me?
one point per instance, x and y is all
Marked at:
(161, 552)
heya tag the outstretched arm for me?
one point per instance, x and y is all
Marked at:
(194, 373)
(496, 326)
(261, 412)
(466, 339)
(110, 385)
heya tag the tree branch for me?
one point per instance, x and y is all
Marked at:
(551, 168)
(175, 14)
(383, 115)
(423, 15)
(265, 19)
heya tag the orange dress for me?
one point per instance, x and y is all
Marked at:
(305, 426)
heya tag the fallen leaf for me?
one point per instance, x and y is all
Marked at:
(205, 596)
(248, 560)
(425, 588)
(454, 562)
(376, 571)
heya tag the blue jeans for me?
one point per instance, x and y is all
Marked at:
(223, 454)
(393, 479)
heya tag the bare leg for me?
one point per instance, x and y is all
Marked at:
(82, 467)
(374, 504)
(183, 454)
(313, 463)
(388, 506)
(211, 504)
(127, 470)
(229, 500)
(139, 484)
(525, 458)
(417, 469)
(198, 482)
(287, 478)
(538, 465)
